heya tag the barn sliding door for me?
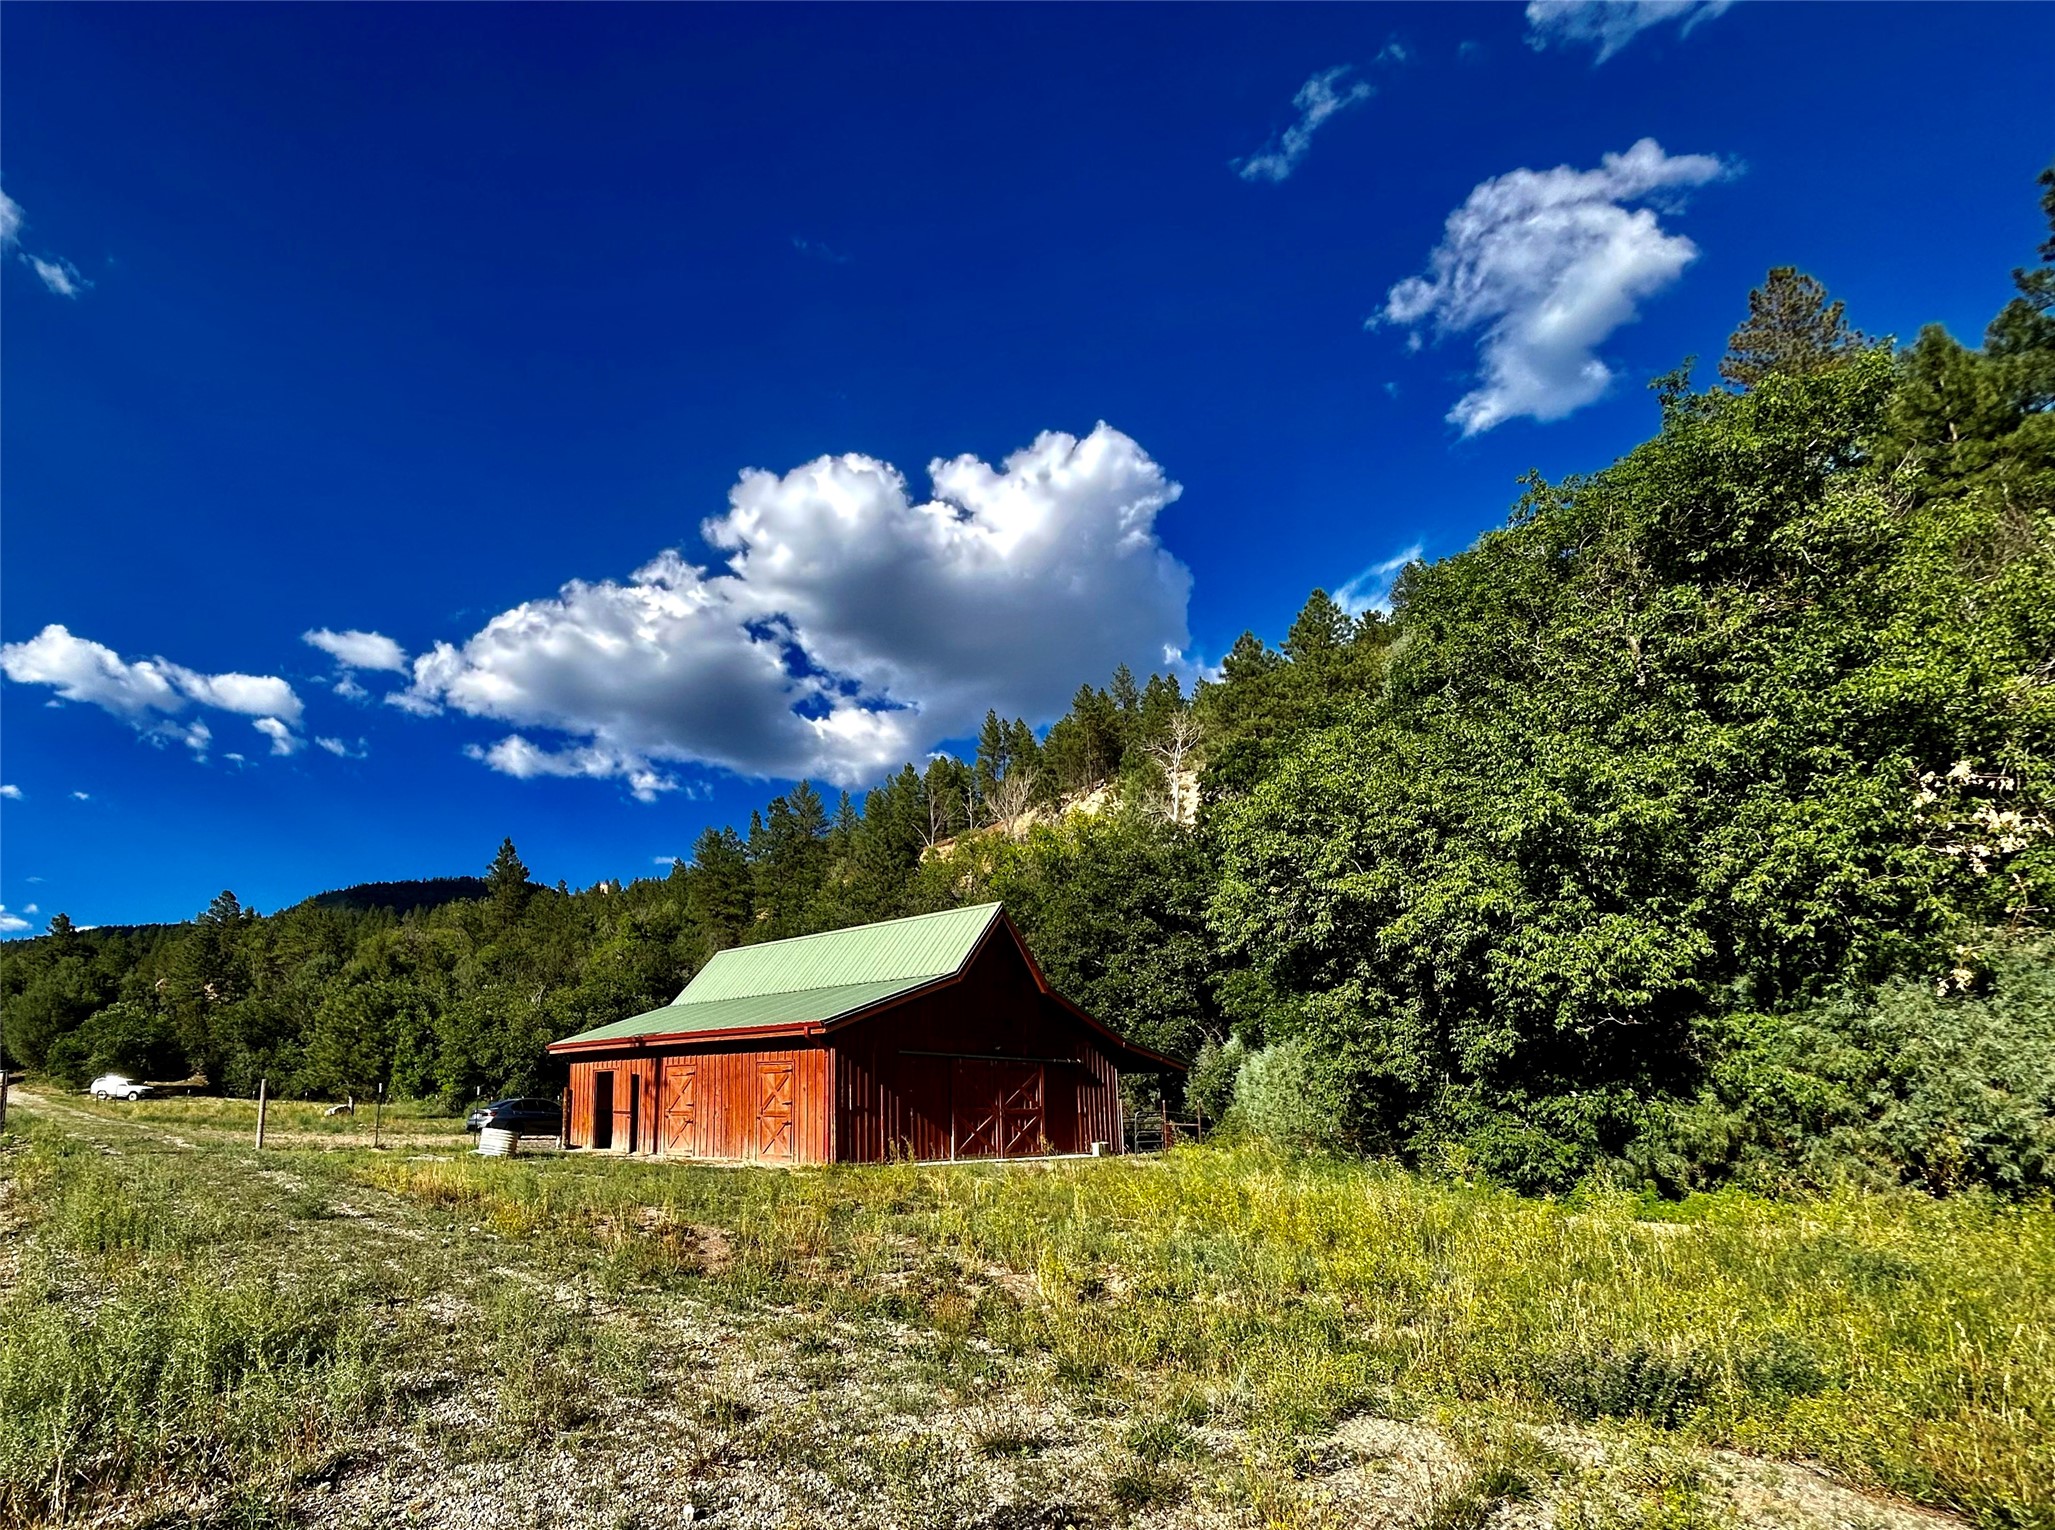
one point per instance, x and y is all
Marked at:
(1021, 1122)
(997, 1109)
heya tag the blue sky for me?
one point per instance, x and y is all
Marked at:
(574, 376)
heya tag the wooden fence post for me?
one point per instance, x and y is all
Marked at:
(3, 1099)
(378, 1118)
(263, 1090)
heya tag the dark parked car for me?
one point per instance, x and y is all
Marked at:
(531, 1118)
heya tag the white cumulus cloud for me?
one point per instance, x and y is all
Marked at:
(149, 694)
(359, 650)
(11, 792)
(1609, 25)
(10, 221)
(11, 924)
(1546, 264)
(1318, 99)
(853, 626)
(341, 749)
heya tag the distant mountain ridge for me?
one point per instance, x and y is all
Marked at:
(401, 897)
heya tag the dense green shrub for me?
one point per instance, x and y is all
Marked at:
(1282, 1094)
(1899, 1083)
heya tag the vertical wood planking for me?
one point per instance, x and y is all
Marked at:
(890, 1100)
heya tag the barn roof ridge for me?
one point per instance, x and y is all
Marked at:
(870, 924)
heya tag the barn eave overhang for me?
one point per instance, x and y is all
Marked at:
(648, 1039)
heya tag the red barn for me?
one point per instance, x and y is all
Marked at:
(935, 1037)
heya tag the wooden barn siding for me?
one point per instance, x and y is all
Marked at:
(889, 1103)
(630, 1073)
(726, 1119)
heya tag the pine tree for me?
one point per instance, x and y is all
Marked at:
(1248, 661)
(1127, 696)
(942, 798)
(1024, 753)
(1320, 630)
(2022, 336)
(717, 898)
(1791, 329)
(993, 757)
(506, 882)
(792, 862)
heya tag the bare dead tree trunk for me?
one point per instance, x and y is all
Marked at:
(941, 817)
(1176, 751)
(1012, 794)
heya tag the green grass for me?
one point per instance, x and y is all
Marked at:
(1907, 1343)
(136, 1351)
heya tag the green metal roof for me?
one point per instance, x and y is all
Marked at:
(811, 979)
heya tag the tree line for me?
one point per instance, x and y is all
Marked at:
(1692, 828)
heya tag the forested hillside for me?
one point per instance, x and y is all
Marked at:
(1694, 827)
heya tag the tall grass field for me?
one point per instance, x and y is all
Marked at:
(180, 1315)
(1905, 1342)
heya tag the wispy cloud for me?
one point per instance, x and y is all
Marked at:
(11, 793)
(11, 924)
(356, 649)
(1319, 99)
(283, 739)
(1370, 590)
(1607, 26)
(341, 749)
(59, 275)
(814, 249)
(82, 796)
(148, 694)
(1547, 264)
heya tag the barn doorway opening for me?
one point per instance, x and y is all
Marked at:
(603, 1109)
